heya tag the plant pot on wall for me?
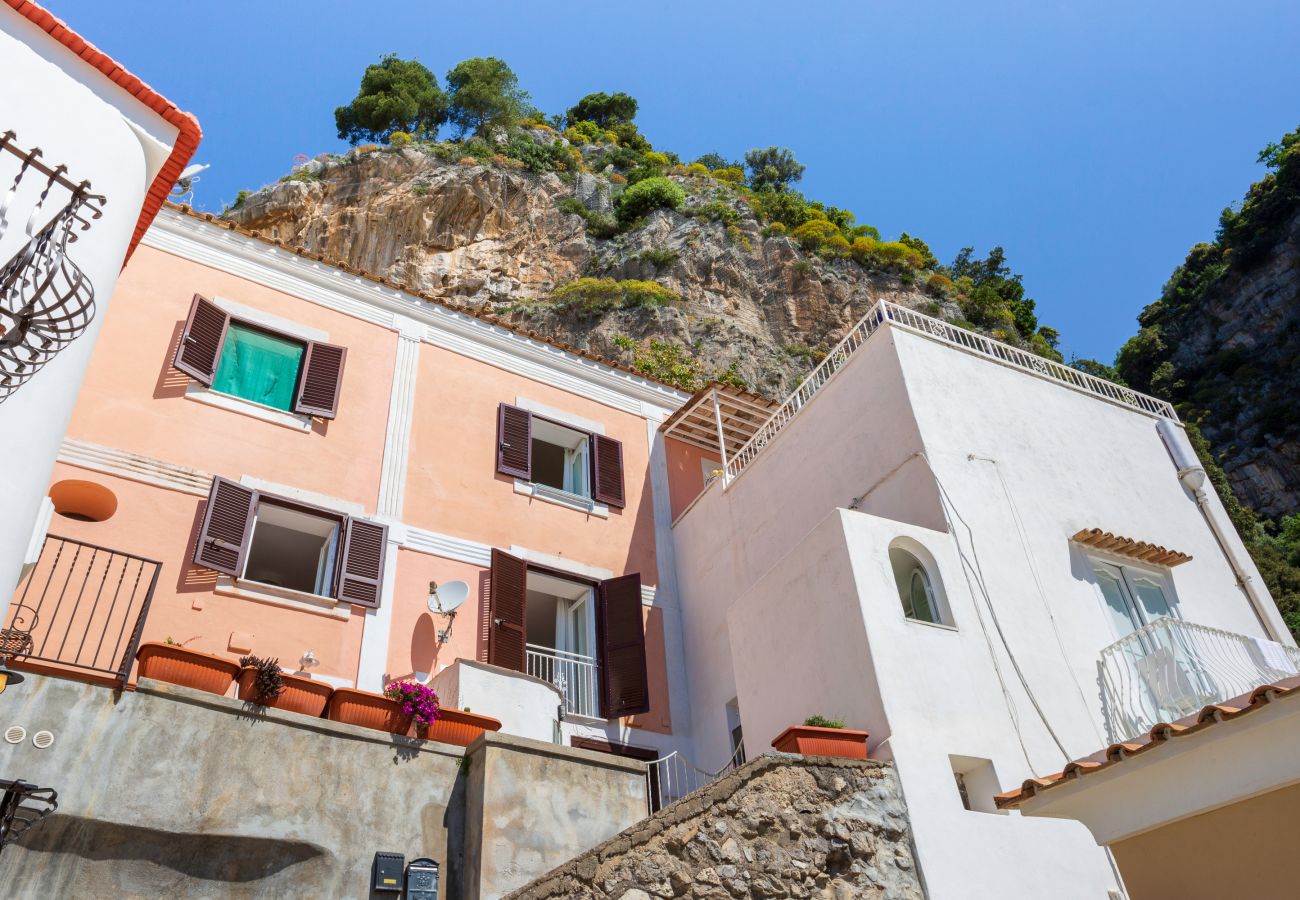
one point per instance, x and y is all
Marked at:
(188, 668)
(454, 726)
(368, 710)
(300, 695)
(811, 740)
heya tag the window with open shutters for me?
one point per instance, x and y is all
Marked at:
(585, 637)
(559, 457)
(259, 364)
(270, 540)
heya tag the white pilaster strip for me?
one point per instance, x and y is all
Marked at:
(377, 632)
(397, 439)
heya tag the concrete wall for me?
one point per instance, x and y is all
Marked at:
(526, 706)
(56, 101)
(167, 791)
(529, 805)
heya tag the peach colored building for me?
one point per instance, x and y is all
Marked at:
(308, 451)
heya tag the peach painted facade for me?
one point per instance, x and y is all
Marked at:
(413, 447)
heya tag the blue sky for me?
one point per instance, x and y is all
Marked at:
(1096, 141)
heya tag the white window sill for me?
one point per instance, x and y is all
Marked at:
(294, 421)
(561, 498)
(941, 626)
(277, 596)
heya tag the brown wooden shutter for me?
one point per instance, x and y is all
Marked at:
(322, 378)
(227, 526)
(361, 573)
(509, 598)
(202, 338)
(625, 687)
(515, 442)
(607, 470)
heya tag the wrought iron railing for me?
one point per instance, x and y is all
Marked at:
(672, 777)
(573, 673)
(1170, 669)
(84, 607)
(944, 332)
(22, 806)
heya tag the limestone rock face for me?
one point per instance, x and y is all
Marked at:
(494, 237)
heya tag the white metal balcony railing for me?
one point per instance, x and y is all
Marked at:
(945, 332)
(1170, 669)
(573, 673)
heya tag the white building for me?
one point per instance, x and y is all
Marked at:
(86, 113)
(908, 545)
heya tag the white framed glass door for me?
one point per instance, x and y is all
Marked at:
(1134, 598)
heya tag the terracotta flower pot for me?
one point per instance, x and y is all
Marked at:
(367, 710)
(454, 726)
(811, 740)
(300, 695)
(189, 668)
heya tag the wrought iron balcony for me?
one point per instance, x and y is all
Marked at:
(1170, 669)
(573, 673)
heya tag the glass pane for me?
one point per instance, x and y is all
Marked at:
(1154, 602)
(258, 366)
(1116, 603)
(922, 608)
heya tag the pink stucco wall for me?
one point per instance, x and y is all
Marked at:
(452, 485)
(134, 400)
(685, 473)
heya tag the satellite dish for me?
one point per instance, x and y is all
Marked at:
(448, 597)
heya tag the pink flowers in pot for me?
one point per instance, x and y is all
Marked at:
(419, 701)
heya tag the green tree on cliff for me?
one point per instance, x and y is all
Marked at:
(395, 95)
(485, 95)
(603, 109)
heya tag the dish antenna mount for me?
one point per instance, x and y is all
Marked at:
(444, 600)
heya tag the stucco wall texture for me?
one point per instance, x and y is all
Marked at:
(170, 792)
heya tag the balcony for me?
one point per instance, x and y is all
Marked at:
(574, 675)
(1170, 669)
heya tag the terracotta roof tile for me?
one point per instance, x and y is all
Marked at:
(1125, 546)
(189, 132)
(1158, 736)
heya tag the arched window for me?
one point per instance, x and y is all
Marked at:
(918, 588)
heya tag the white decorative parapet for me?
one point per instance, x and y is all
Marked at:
(1170, 669)
(947, 333)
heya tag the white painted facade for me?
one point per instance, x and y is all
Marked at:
(53, 99)
(985, 472)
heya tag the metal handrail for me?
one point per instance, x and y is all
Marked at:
(1170, 669)
(574, 674)
(672, 777)
(87, 606)
(944, 332)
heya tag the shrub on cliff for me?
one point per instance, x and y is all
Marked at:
(598, 295)
(774, 168)
(603, 109)
(646, 196)
(396, 95)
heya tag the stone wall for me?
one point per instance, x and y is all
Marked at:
(169, 792)
(780, 826)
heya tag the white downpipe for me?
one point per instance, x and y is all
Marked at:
(1192, 475)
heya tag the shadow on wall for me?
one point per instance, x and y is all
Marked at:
(194, 578)
(109, 859)
(171, 383)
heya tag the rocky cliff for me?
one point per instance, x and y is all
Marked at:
(748, 304)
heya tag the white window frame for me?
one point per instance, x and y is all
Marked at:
(566, 496)
(1129, 575)
(333, 546)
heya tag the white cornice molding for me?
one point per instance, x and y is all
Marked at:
(316, 282)
(135, 466)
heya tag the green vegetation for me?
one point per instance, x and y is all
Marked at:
(600, 295)
(774, 169)
(646, 196)
(483, 93)
(604, 110)
(396, 95)
(660, 258)
(820, 721)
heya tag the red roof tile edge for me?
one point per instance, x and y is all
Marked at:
(187, 140)
(1210, 715)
